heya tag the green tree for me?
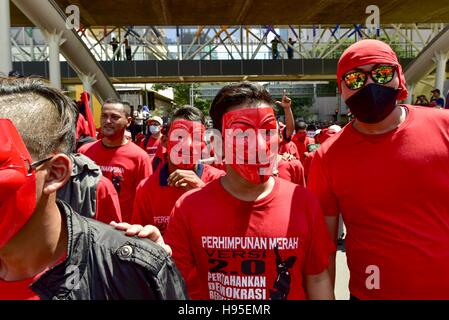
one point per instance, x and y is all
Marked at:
(181, 95)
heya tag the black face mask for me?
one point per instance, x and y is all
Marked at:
(373, 103)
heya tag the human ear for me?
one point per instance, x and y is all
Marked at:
(59, 170)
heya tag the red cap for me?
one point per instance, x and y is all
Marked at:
(370, 52)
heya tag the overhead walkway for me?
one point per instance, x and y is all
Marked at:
(47, 15)
(200, 70)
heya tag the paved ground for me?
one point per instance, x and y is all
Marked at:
(342, 277)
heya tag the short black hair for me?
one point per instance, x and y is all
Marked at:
(30, 101)
(300, 125)
(126, 105)
(242, 93)
(311, 127)
(189, 113)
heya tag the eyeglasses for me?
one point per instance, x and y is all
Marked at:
(357, 78)
(36, 164)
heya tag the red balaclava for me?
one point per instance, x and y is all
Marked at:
(185, 143)
(253, 160)
(17, 185)
(370, 52)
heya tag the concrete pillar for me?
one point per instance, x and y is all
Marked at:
(54, 41)
(411, 88)
(5, 38)
(88, 81)
(440, 60)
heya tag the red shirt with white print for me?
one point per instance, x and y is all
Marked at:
(155, 199)
(254, 250)
(124, 166)
(150, 145)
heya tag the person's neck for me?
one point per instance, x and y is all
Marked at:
(157, 135)
(40, 244)
(242, 189)
(115, 141)
(391, 122)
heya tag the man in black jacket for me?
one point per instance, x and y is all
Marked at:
(47, 251)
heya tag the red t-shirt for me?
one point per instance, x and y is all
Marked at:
(292, 171)
(125, 166)
(231, 243)
(152, 146)
(393, 192)
(155, 200)
(18, 290)
(108, 203)
(289, 147)
(302, 145)
(307, 162)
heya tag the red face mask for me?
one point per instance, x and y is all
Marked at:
(301, 135)
(185, 143)
(17, 184)
(251, 142)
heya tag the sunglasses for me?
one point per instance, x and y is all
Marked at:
(29, 167)
(37, 164)
(357, 78)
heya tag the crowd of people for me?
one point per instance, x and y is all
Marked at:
(248, 209)
(436, 100)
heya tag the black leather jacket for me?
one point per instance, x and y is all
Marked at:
(103, 263)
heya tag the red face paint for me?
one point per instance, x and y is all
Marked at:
(17, 183)
(185, 143)
(251, 142)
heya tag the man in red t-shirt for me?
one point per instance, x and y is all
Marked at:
(300, 139)
(291, 170)
(249, 235)
(387, 172)
(47, 251)
(120, 160)
(153, 139)
(286, 146)
(156, 195)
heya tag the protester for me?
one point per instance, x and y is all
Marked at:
(247, 222)
(436, 101)
(390, 187)
(301, 139)
(47, 251)
(120, 160)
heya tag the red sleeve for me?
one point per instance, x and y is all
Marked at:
(211, 174)
(108, 204)
(320, 245)
(307, 162)
(319, 184)
(142, 213)
(294, 150)
(178, 237)
(298, 173)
